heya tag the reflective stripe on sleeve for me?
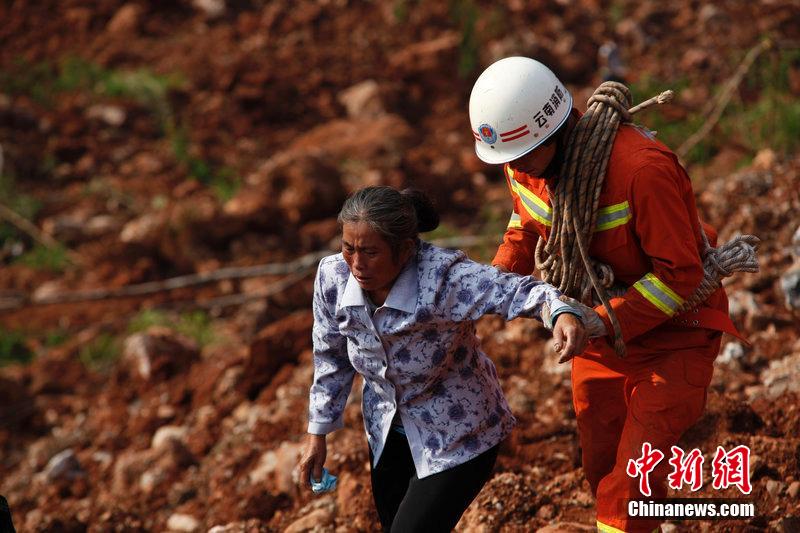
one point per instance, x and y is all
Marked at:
(605, 528)
(515, 221)
(612, 216)
(659, 294)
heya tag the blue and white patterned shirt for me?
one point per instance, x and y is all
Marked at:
(418, 353)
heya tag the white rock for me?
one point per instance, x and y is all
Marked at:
(275, 467)
(110, 114)
(183, 522)
(733, 351)
(166, 433)
(63, 465)
(362, 99)
(145, 230)
(781, 376)
(211, 8)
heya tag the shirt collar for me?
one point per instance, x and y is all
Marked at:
(402, 296)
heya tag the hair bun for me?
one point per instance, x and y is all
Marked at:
(427, 217)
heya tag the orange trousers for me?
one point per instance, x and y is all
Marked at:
(621, 404)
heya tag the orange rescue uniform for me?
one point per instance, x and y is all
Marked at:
(648, 231)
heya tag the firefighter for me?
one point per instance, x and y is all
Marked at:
(647, 230)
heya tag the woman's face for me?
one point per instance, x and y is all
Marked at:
(535, 162)
(370, 258)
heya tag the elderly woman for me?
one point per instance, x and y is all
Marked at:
(401, 312)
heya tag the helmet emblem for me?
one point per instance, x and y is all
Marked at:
(488, 134)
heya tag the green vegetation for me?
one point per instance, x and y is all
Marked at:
(465, 14)
(53, 259)
(196, 324)
(13, 348)
(762, 114)
(100, 353)
(43, 81)
(223, 181)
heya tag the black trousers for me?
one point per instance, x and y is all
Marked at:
(434, 503)
(5, 517)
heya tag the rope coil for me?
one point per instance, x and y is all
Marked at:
(564, 258)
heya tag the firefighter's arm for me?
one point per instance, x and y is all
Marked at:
(517, 252)
(663, 225)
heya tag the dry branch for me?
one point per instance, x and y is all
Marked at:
(296, 270)
(723, 98)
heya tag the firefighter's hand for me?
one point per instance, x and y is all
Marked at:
(569, 336)
(313, 459)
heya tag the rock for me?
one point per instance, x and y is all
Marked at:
(733, 352)
(159, 353)
(145, 230)
(317, 519)
(101, 225)
(63, 465)
(110, 114)
(742, 305)
(694, 59)
(362, 100)
(382, 141)
(790, 285)
(765, 159)
(274, 346)
(210, 8)
(149, 468)
(166, 433)
(275, 468)
(793, 490)
(796, 243)
(125, 20)
(69, 228)
(48, 289)
(774, 488)
(781, 376)
(183, 522)
(425, 55)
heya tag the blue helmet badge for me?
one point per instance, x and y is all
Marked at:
(488, 134)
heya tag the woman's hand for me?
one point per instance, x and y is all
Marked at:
(595, 327)
(313, 459)
(569, 336)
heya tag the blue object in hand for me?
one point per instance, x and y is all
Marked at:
(326, 484)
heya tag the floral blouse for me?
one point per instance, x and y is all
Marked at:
(419, 354)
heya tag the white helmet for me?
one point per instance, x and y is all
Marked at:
(515, 105)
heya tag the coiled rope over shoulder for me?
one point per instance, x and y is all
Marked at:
(564, 258)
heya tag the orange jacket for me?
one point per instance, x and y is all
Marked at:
(647, 230)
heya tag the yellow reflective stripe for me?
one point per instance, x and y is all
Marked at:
(607, 529)
(515, 221)
(612, 216)
(659, 294)
(535, 206)
(608, 217)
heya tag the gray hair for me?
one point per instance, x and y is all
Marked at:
(395, 215)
